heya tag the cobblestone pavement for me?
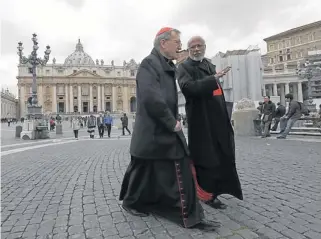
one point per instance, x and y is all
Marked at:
(70, 190)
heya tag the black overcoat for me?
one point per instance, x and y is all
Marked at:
(157, 111)
(210, 133)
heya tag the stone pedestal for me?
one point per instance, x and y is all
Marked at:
(43, 133)
(243, 122)
(35, 111)
(243, 117)
(59, 129)
(29, 130)
(18, 131)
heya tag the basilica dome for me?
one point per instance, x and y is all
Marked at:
(79, 57)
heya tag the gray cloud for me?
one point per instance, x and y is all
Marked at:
(121, 30)
(11, 34)
(224, 17)
(74, 3)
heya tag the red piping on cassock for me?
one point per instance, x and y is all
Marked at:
(201, 194)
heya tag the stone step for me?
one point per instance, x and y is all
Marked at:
(302, 133)
(307, 129)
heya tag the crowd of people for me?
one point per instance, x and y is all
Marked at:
(103, 122)
(280, 115)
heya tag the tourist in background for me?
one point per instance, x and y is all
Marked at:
(288, 120)
(260, 108)
(52, 124)
(279, 112)
(100, 125)
(91, 124)
(268, 111)
(75, 126)
(124, 122)
(108, 120)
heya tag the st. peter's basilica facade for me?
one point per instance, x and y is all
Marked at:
(80, 85)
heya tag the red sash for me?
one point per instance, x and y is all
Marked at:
(218, 91)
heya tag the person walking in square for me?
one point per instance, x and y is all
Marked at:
(75, 126)
(210, 133)
(100, 125)
(124, 122)
(108, 120)
(91, 124)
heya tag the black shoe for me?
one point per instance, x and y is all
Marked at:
(207, 226)
(134, 212)
(216, 203)
(281, 137)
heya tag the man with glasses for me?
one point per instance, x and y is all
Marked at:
(210, 133)
(159, 178)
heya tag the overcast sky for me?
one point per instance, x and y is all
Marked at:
(123, 29)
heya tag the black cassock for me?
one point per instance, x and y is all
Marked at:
(159, 178)
(210, 133)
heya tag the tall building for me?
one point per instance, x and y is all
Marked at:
(244, 80)
(9, 105)
(80, 85)
(313, 63)
(286, 53)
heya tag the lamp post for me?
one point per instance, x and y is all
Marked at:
(33, 61)
(308, 72)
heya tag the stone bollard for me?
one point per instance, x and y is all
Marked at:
(59, 129)
(244, 115)
(18, 131)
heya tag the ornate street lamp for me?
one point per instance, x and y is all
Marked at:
(33, 61)
(309, 71)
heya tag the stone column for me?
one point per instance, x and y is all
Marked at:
(71, 98)
(264, 90)
(114, 97)
(91, 102)
(126, 100)
(300, 94)
(54, 98)
(79, 99)
(66, 99)
(275, 89)
(270, 90)
(99, 97)
(287, 88)
(103, 97)
(295, 91)
(282, 98)
(22, 101)
(40, 96)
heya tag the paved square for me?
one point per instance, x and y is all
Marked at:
(69, 189)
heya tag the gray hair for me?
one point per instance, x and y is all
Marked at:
(195, 37)
(164, 36)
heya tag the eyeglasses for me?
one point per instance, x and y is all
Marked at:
(198, 46)
(177, 42)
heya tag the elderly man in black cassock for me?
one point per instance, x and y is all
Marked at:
(210, 133)
(159, 178)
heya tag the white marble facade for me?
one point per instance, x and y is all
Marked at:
(280, 83)
(9, 104)
(81, 85)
